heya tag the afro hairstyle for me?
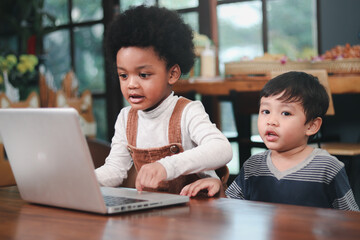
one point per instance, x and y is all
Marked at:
(160, 28)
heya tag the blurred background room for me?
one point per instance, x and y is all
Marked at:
(55, 48)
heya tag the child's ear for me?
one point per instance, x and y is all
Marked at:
(175, 74)
(314, 126)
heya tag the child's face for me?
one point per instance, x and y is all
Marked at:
(144, 80)
(282, 125)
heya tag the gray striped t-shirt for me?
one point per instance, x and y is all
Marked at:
(318, 181)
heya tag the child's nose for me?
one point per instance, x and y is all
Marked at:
(272, 121)
(133, 82)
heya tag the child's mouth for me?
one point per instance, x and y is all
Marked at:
(136, 98)
(271, 136)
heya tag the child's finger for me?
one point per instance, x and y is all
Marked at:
(185, 190)
(196, 187)
(142, 180)
(138, 186)
(213, 190)
(188, 190)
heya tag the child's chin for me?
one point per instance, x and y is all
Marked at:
(145, 109)
(271, 146)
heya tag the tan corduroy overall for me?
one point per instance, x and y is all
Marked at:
(150, 155)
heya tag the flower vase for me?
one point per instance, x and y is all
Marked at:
(11, 92)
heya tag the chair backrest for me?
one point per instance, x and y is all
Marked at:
(6, 174)
(47, 92)
(32, 101)
(223, 173)
(68, 96)
(84, 106)
(322, 75)
(99, 150)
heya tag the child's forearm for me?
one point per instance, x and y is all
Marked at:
(205, 157)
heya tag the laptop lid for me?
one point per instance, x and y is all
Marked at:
(52, 165)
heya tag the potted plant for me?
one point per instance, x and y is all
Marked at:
(19, 74)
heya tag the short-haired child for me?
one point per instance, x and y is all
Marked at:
(169, 139)
(292, 106)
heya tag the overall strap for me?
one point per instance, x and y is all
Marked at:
(175, 121)
(174, 124)
(131, 127)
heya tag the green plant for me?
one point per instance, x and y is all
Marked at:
(21, 72)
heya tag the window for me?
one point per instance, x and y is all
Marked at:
(292, 34)
(246, 30)
(77, 45)
(240, 32)
(126, 4)
(186, 8)
(57, 54)
(89, 59)
(176, 5)
(84, 11)
(58, 8)
(170, 4)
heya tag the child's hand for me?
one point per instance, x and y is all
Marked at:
(213, 186)
(150, 175)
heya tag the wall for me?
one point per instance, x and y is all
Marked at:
(340, 24)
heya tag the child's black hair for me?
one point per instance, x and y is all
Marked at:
(160, 28)
(299, 87)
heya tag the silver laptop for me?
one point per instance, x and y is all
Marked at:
(52, 165)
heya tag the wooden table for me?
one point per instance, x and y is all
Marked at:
(200, 219)
(339, 84)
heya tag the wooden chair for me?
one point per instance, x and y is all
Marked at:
(6, 174)
(84, 106)
(68, 96)
(99, 150)
(223, 173)
(47, 93)
(243, 105)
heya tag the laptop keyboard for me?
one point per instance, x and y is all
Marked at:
(114, 200)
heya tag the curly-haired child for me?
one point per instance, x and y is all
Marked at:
(169, 139)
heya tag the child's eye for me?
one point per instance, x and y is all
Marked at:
(286, 113)
(123, 76)
(144, 75)
(265, 111)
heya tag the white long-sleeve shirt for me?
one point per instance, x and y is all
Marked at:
(205, 147)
